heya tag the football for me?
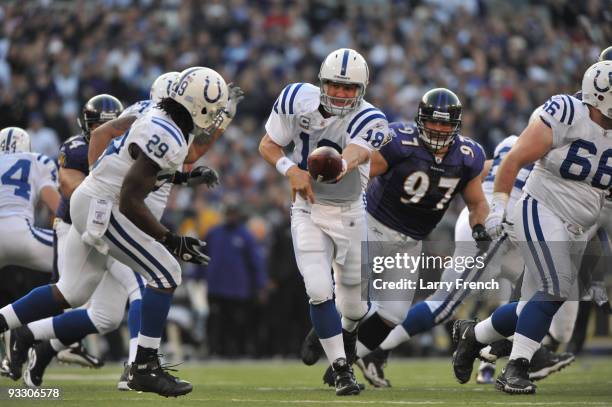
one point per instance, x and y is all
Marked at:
(324, 164)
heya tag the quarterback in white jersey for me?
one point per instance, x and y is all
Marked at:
(328, 220)
(562, 201)
(25, 178)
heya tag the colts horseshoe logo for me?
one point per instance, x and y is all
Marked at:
(607, 88)
(209, 100)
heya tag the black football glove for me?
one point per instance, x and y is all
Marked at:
(482, 238)
(197, 176)
(186, 248)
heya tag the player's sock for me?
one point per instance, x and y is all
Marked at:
(533, 324)
(37, 304)
(153, 314)
(485, 333)
(326, 323)
(397, 336)
(57, 345)
(42, 329)
(73, 326)
(134, 327)
(504, 319)
(419, 319)
(372, 332)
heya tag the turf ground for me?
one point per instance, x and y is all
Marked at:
(422, 382)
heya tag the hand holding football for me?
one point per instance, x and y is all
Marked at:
(324, 164)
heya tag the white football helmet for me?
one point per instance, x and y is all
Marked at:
(597, 87)
(203, 92)
(344, 65)
(162, 85)
(14, 140)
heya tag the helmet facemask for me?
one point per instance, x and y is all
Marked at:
(436, 140)
(339, 106)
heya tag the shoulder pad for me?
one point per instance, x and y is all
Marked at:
(563, 109)
(505, 144)
(157, 120)
(362, 118)
(298, 98)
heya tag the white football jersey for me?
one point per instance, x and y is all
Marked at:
(157, 200)
(501, 150)
(159, 138)
(296, 117)
(22, 176)
(575, 176)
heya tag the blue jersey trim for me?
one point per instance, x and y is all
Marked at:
(165, 125)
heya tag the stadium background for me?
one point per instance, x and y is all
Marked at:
(503, 58)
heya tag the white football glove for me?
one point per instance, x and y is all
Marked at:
(497, 215)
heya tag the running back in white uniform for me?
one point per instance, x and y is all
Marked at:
(163, 142)
(22, 177)
(328, 233)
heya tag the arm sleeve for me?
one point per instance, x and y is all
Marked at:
(477, 163)
(46, 173)
(371, 131)
(279, 128)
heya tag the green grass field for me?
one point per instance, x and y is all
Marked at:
(423, 382)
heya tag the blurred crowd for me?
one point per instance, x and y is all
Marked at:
(502, 57)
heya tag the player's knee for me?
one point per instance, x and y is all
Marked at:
(72, 298)
(318, 293)
(353, 309)
(105, 320)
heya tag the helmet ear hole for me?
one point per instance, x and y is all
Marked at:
(204, 110)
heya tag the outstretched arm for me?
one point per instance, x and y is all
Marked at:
(103, 134)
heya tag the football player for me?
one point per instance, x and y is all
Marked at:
(561, 203)
(111, 218)
(328, 219)
(417, 175)
(25, 178)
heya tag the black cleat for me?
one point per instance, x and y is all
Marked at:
(329, 378)
(545, 362)
(515, 378)
(311, 348)
(345, 382)
(154, 378)
(372, 366)
(79, 355)
(39, 357)
(496, 350)
(122, 384)
(467, 350)
(16, 342)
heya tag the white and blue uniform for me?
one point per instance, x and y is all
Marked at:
(563, 198)
(328, 233)
(22, 178)
(161, 140)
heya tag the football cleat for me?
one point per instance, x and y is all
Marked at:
(345, 382)
(311, 348)
(78, 355)
(372, 366)
(467, 350)
(154, 378)
(329, 378)
(39, 357)
(16, 350)
(545, 362)
(486, 373)
(122, 384)
(496, 350)
(515, 378)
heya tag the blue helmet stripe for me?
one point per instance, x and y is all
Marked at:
(292, 98)
(187, 72)
(8, 140)
(344, 62)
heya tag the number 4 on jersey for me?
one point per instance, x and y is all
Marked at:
(18, 176)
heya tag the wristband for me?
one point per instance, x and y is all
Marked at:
(283, 164)
(499, 199)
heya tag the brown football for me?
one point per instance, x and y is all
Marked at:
(324, 164)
